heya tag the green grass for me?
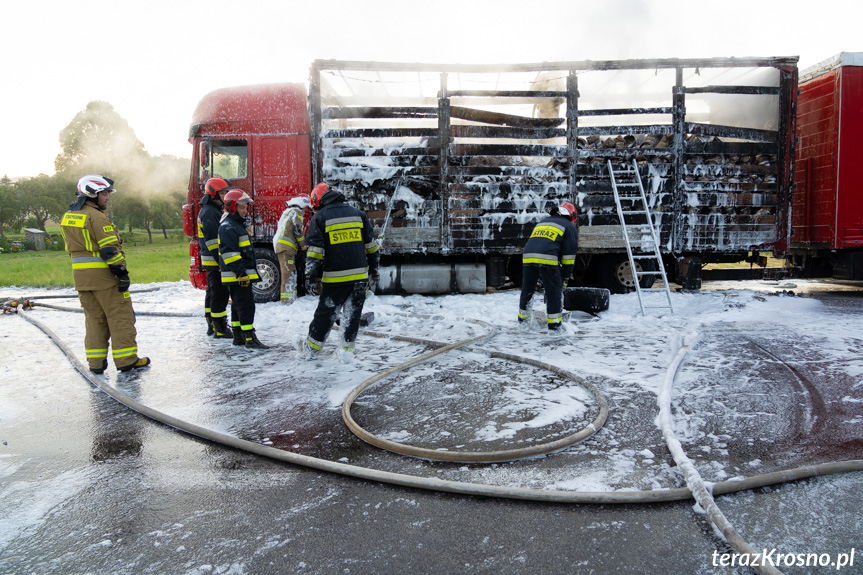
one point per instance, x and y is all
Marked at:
(159, 262)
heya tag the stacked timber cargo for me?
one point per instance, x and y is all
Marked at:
(465, 159)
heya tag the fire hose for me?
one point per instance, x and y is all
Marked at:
(696, 487)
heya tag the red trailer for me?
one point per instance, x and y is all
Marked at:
(827, 220)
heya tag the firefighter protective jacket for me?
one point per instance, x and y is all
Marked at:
(554, 242)
(208, 232)
(94, 244)
(237, 254)
(289, 235)
(342, 247)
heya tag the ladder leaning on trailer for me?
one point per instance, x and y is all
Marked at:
(626, 184)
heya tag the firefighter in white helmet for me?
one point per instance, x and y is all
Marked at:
(288, 242)
(101, 279)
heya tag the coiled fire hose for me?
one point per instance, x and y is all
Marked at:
(696, 487)
(464, 456)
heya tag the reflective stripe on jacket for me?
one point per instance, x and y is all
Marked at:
(237, 255)
(89, 234)
(553, 241)
(289, 235)
(341, 243)
(208, 232)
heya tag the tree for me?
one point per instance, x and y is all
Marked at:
(99, 141)
(131, 210)
(166, 213)
(11, 211)
(44, 197)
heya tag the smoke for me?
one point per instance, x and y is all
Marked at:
(100, 141)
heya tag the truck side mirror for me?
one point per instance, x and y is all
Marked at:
(204, 154)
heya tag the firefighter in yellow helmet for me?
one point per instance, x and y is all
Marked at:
(101, 279)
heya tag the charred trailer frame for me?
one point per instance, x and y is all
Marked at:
(463, 160)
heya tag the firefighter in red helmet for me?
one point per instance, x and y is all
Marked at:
(549, 255)
(343, 254)
(101, 279)
(217, 295)
(238, 267)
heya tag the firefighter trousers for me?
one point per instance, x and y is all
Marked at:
(553, 284)
(217, 296)
(243, 305)
(287, 263)
(108, 315)
(334, 296)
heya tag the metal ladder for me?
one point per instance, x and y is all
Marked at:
(626, 184)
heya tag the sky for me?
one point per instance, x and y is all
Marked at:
(154, 61)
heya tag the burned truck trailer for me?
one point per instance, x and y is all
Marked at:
(456, 163)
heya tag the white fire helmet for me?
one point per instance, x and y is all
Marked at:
(91, 185)
(301, 202)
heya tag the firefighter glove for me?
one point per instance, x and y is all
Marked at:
(244, 281)
(313, 285)
(124, 282)
(122, 274)
(374, 278)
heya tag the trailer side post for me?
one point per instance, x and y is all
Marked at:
(678, 100)
(786, 154)
(572, 131)
(316, 120)
(443, 162)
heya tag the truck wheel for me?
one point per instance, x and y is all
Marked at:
(513, 270)
(616, 274)
(586, 299)
(271, 279)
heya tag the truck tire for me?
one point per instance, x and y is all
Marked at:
(616, 275)
(513, 270)
(586, 299)
(267, 289)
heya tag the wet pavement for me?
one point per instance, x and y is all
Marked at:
(88, 486)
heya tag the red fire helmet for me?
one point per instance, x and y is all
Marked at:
(317, 194)
(235, 198)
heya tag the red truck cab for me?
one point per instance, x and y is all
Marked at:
(257, 137)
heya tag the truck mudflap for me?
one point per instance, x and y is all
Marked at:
(197, 274)
(190, 228)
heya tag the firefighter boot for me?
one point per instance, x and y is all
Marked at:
(345, 355)
(141, 363)
(100, 370)
(252, 341)
(301, 344)
(239, 337)
(221, 329)
(210, 330)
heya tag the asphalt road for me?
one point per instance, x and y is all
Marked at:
(89, 486)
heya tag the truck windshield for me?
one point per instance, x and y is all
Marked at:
(230, 159)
